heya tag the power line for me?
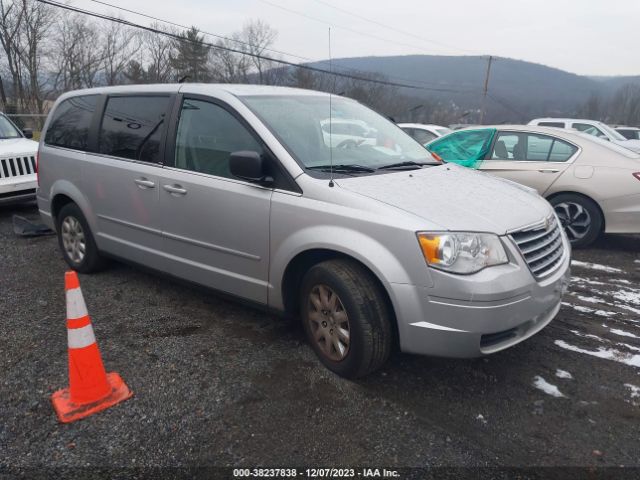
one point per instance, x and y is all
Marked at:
(222, 37)
(397, 30)
(234, 50)
(348, 29)
(306, 59)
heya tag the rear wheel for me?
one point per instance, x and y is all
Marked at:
(580, 218)
(76, 241)
(346, 317)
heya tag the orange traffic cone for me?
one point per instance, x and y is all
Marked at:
(90, 388)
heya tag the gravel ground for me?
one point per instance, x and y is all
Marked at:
(217, 383)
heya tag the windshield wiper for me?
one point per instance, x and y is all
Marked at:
(406, 164)
(342, 168)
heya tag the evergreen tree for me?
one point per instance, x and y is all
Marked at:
(191, 57)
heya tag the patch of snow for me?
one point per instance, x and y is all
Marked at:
(563, 374)
(595, 266)
(605, 353)
(481, 418)
(623, 333)
(587, 335)
(541, 384)
(628, 296)
(590, 299)
(630, 347)
(635, 391)
(627, 307)
(588, 281)
(583, 309)
(621, 280)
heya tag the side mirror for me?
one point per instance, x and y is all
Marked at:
(27, 132)
(249, 166)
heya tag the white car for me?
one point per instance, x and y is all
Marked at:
(18, 180)
(591, 127)
(346, 133)
(424, 133)
(630, 133)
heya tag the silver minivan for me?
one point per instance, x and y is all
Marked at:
(369, 241)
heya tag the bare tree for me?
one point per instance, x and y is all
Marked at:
(119, 45)
(258, 36)
(79, 57)
(158, 50)
(11, 23)
(228, 66)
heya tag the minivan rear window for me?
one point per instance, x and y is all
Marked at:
(69, 126)
(132, 127)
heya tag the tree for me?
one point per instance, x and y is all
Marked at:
(119, 45)
(159, 51)
(190, 57)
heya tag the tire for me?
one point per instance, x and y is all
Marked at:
(350, 291)
(580, 217)
(73, 230)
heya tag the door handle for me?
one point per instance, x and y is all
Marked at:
(175, 189)
(144, 183)
(548, 170)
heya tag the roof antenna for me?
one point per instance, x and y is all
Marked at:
(331, 184)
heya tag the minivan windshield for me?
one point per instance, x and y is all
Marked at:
(347, 134)
(7, 130)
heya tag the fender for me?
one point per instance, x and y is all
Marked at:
(65, 187)
(374, 255)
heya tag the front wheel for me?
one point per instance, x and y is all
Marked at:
(346, 317)
(580, 218)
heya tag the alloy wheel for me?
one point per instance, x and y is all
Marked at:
(575, 219)
(73, 239)
(328, 322)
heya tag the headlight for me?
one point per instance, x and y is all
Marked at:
(462, 252)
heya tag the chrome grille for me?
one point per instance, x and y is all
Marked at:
(17, 166)
(541, 247)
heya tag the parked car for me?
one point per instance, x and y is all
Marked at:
(345, 133)
(17, 163)
(424, 133)
(630, 133)
(592, 184)
(591, 127)
(233, 187)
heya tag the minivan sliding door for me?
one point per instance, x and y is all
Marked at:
(122, 176)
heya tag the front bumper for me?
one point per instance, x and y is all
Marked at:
(18, 189)
(475, 315)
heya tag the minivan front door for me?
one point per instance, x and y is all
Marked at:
(215, 226)
(534, 160)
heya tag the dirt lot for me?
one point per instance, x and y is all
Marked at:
(217, 383)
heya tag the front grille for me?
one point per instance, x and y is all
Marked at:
(491, 339)
(17, 166)
(541, 247)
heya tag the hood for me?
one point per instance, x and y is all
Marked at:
(17, 146)
(455, 198)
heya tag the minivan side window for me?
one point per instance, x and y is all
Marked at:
(69, 126)
(132, 127)
(207, 136)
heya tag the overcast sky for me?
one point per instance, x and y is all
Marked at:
(592, 37)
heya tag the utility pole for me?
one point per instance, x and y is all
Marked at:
(486, 89)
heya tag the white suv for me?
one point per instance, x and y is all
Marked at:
(591, 127)
(17, 163)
